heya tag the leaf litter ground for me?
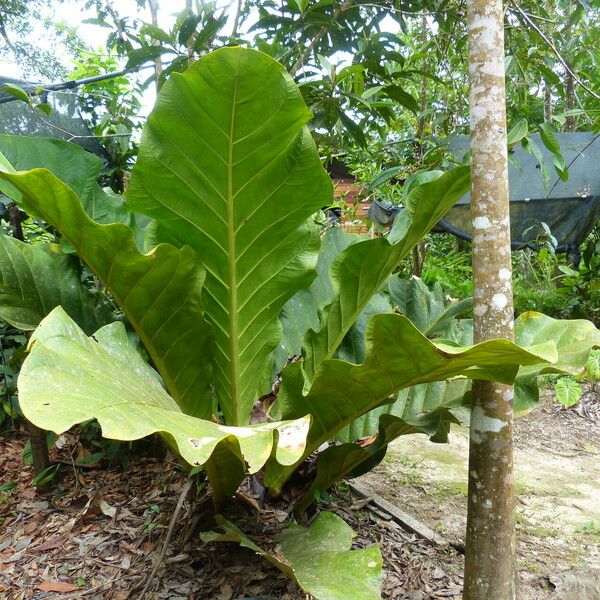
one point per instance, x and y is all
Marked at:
(96, 533)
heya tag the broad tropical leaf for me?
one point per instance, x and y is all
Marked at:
(430, 408)
(159, 292)
(363, 268)
(301, 312)
(34, 279)
(74, 166)
(398, 356)
(69, 378)
(429, 310)
(574, 340)
(355, 459)
(228, 167)
(318, 557)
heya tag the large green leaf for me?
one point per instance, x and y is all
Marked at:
(74, 166)
(362, 269)
(34, 280)
(69, 378)
(159, 292)
(318, 557)
(574, 340)
(228, 167)
(398, 356)
(302, 311)
(429, 310)
(429, 408)
(355, 459)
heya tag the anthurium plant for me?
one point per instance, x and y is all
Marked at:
(230, 180)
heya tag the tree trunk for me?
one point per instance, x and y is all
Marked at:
(547, 103)
(490, 541)
(418, 259)
(39, 449)
(236, 19)
(421, 122)
(37, 436)
(570, 123)
(153, 5)
(418, 252)
(192, 40)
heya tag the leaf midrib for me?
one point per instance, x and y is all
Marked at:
(234, 362)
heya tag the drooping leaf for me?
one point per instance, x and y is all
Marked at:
(318, 557)
(574, 339)
(158, 292)
(548, 136)
(16, 91)
(34, 280)
(398, 356)
(431, 407)
(385, 176)
(228, 167)
(518, 132)
(363, 268)
(395, 92)
(69, 378)
(302, 311)
(74, 166)
(429, 310)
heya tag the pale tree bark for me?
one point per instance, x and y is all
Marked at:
(418, 252)
(192, 40)
(547, 103)
(153, 5)
(570, 122)
(490, 541)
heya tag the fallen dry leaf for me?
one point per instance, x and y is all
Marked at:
(56, 542)
(56, 586)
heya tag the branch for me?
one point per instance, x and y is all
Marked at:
(159, 561)
(564, 63)
(318, 37)
(236, 20)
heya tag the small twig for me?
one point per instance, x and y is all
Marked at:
(579, 154)
(236, 20)
(552, 47)
(77, 486)
(318, 37)
(182, 496)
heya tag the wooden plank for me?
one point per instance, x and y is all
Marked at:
(406, 521)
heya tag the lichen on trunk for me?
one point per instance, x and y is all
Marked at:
(490, 548)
